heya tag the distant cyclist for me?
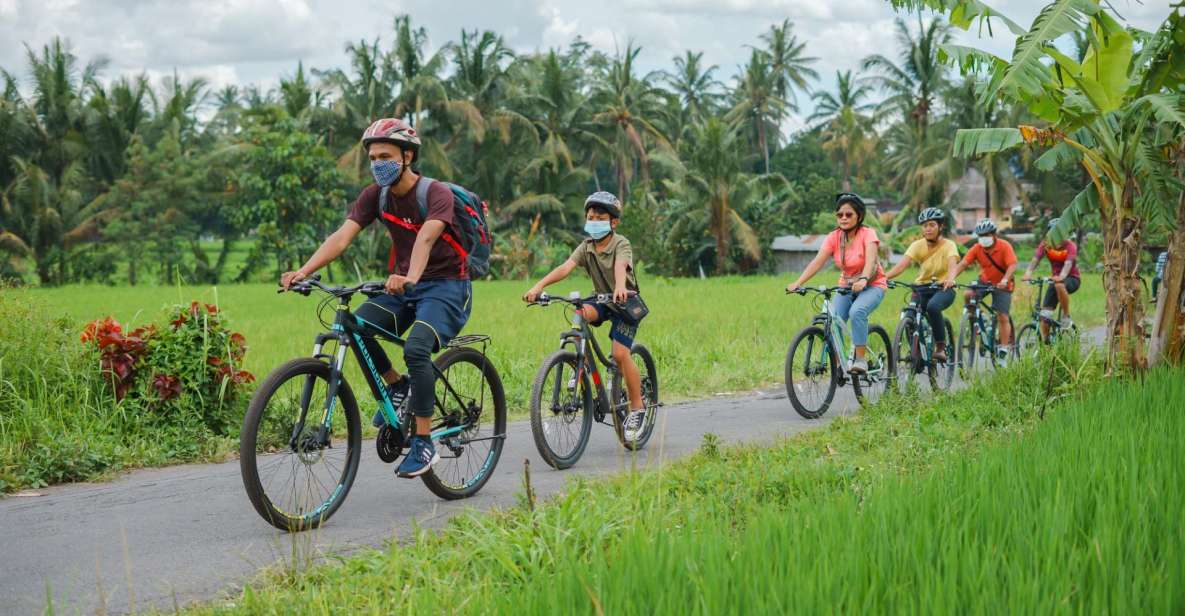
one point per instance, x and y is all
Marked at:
(997, 263)
(853, 247)
(937, 257)
(1063, 264)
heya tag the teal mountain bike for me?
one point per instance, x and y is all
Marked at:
(914, 342)
(301, 441)
(818, 360)
(1029, 341)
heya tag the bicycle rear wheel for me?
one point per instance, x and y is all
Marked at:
(649, 376)
(471, 408)
(561, 410)
(968, 347)
(294, 479)
(907, 352)
(812, 373)
(882, 365)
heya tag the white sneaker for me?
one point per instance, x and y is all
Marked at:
(1066, 323)
(634, 422)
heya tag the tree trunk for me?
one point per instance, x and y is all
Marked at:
(1123, 238)
(721, 232)
(762, 141)
(846, 183)
(1168, 328)
(132, 257)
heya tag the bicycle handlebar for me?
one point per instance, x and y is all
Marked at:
(369, 288)
(929, 286)
(827, 291)
(545, 299)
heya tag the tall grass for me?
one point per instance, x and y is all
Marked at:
(964, 503)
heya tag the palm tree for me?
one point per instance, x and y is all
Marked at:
(626, 105)
(694, 84)
(716, 179)
(846, 124)
(913, 85)
(789, 67)
(758, 102)
(113, 115)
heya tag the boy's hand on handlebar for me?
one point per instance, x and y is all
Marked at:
(532, 294)
(793, 287)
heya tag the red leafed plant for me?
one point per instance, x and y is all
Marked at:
(120, 354)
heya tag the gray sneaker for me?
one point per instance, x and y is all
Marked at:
(634, 422)
(859, 366)
(1066, 323)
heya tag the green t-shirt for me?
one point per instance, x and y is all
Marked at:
(599, 265)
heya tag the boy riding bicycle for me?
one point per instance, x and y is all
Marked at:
(428, 292)
(608, 259)
(997, 263)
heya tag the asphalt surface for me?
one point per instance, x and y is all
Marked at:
(173, 536)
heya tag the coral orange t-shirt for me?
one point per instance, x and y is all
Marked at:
(850, 258)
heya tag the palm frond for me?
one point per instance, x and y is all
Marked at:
(971, 142)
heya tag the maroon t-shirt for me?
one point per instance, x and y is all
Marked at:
(443, 261)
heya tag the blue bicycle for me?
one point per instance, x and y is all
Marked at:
(302, 438)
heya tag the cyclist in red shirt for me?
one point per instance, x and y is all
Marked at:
(997, 263)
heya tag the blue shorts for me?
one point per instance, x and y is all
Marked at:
(622, 331)
(441, 305)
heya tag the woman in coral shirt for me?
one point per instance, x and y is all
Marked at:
(854, 249)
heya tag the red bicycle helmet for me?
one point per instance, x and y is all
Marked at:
(393, 130)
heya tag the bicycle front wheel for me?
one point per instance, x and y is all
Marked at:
(649, 376)
(968, 347)
(561, 410)
(942, 374)
(812, 373)
(471, 423)
(907, 352)
(882, 365)
(295, 475)
(1028, 341)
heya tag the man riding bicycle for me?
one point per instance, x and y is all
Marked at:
(428, 291)
(936, 257)
(997, 263)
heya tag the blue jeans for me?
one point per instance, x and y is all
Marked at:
(858, 307)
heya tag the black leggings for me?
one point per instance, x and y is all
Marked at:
(417, 354)
(935, 302)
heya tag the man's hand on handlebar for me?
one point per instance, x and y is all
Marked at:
(396, 284)
(288, 278)
(532, 294)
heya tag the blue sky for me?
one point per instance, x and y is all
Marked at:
(256, 41)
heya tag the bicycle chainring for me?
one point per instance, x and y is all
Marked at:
(389, 443)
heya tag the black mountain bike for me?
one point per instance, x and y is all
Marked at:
(979, 346)
(569, 392)
(817, 362)
(914, 343)
(302, 437)
(1029, 340)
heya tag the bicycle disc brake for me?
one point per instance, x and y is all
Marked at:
(389, 443)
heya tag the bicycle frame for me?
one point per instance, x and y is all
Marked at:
(985, 330)
(921, 330)
(581, 336)
(349, 330)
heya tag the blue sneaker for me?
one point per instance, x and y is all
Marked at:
(420, 459)
(397, 392)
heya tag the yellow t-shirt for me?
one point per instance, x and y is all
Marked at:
(932, 263)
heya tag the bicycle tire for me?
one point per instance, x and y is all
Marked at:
(560, 460)
(967, 349)
(906, 346)
(814, 336)
(943, 375)
(649, 398)
(249, 460)
(1028, 341)
(469, 485)
(882, 366)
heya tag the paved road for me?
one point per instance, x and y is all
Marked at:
(187, 533)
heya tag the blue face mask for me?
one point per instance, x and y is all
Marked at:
(597, 229)
(385, 171)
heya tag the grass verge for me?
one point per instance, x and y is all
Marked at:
(965, 503)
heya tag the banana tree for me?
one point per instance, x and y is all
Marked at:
(1103, 113)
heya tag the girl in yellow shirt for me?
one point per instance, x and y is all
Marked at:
(937, 258)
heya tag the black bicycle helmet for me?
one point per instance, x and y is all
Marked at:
(606, 201)
(985, 227)
(931, 213)
(853, 200)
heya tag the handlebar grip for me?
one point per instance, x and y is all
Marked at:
(409, 287)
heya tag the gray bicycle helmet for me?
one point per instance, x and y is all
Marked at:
(606, 201)
(985, 227)
(931, 213)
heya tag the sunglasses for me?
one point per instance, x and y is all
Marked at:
(845, 214)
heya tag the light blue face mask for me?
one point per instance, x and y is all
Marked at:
(597, 229)
(385, 171)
